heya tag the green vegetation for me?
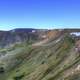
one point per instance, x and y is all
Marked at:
(52, 62)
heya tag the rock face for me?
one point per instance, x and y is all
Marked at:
(28, 34)
(18, 36)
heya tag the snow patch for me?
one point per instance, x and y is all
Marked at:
(75, 33)
(33, 31)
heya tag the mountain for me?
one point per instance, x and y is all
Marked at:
(15, 36)
(51, 55)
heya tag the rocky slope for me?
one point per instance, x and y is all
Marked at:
(7, 38)
(56, 56)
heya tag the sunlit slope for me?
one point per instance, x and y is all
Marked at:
(54, 60)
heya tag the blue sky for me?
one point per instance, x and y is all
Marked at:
(39, 14)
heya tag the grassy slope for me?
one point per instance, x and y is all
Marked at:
(52, 62)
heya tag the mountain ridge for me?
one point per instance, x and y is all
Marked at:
(53, 55)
